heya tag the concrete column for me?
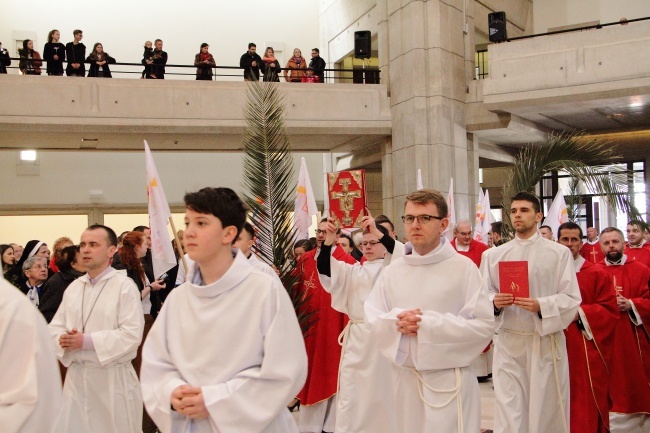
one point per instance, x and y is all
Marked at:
(429, 66)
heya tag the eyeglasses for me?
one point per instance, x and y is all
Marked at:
(321, 232)
(371, 243)
(422, 219)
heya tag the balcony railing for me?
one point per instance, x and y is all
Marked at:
(333, 75)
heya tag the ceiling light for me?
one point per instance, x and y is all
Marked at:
(28, 155)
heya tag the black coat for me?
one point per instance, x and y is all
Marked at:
(95, 70)
(54, 67)
(5, 61)
(75, 54)
(251, 72)
(159, 61)
(271, 74)
(52, 292)
(318, 65)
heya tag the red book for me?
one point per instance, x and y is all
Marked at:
(513, 278)
(346, 191)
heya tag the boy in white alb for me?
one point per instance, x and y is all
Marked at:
(226, 353)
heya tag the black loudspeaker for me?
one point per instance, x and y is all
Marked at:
(497, 26)
(362, 44)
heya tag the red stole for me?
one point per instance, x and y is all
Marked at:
(589, 359)
(322, 340)
(592, 253)
(630, 370)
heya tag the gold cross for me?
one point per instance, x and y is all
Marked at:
(594, 253)
(618, 289)
(346, 200)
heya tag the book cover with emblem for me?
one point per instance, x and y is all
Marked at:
(346, 192)
(513, 278)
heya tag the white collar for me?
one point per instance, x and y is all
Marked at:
(620, 263)
(577, 263)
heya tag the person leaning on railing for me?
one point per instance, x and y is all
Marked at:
(30, 60)
(204, 63)
(271, 66)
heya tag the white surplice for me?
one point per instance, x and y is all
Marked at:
(239, 340)
(435, 390)
(531, 370)
(362, 405)
(30, 381)
(258, 264)
(101, 393)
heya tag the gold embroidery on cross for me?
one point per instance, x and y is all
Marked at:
(594, 253)
(618, 289)
(346, 200)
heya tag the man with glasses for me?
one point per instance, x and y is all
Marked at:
(317, 64)
(465, 245)
(531, 371)
(318, 396)
(431, 317)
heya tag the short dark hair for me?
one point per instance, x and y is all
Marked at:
(640, 224)
(157, 40)
(110, 234)
(497, 227)
(531, 198)
(384, 219)
(425, 196)
(76, 32)
(66, 258)
(316, 49)
(324, 220)
(223, 203)
(548, 227)
(568, 226)
(251, 44)
(248, 228)
(140, 229)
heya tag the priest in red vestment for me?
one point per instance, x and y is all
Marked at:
(589, 340)
(591, 250)
(317, 411)
(465, 245)
(637, 248)
(630, 369)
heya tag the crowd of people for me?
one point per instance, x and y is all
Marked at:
(395, 327)
(154, 60)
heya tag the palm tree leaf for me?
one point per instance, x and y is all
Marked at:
(585, 159)
(270, 188)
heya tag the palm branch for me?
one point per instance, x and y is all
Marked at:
(269, 186)
(585, 159)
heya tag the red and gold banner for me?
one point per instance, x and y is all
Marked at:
(346, 191)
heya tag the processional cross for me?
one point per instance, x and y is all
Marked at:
(346, 200)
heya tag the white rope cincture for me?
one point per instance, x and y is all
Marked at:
(455, 390)
(343, 342)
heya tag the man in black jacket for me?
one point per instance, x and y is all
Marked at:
(75, 52)
(251, 62)
(5, 60)
(317, 64)
(159, 59)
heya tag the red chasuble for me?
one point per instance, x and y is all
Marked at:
(592, 253)
(640, 254)
(475, 252)
(322, 340)
(629, 376)
(589, 359)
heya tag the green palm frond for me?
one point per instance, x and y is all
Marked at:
(269, 185)
(583, 158)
